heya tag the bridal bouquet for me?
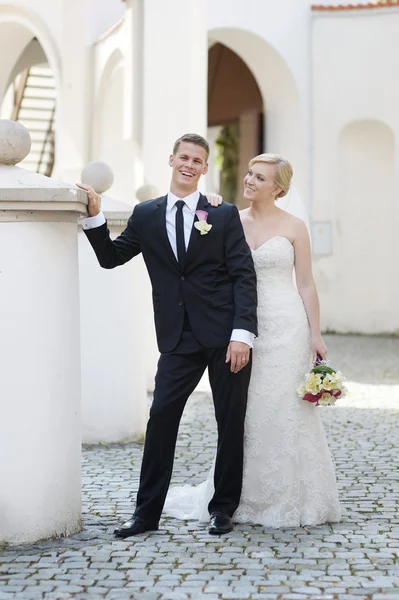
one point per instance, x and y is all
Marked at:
(322, 386)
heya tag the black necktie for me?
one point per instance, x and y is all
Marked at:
(181, 246)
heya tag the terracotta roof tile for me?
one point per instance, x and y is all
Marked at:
(359, 6)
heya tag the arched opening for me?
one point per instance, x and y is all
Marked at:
(28, 92)
(109, 143)
(365, 227)
(235, 119)
(253, 107)
(113, 64)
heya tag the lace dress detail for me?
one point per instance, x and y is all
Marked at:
(289, 477)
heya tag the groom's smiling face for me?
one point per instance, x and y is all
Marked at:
(188, 164)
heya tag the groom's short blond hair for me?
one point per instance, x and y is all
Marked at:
(284, 170)
(193, 138)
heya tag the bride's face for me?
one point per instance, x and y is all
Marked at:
(259, 183)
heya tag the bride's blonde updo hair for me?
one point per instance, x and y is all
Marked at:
(284, 170)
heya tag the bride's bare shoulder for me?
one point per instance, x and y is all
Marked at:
(244, 215)
(298, 228)
(291, 220)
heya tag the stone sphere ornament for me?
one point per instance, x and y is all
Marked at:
(146, 192)
(15, 142)
(99, 175)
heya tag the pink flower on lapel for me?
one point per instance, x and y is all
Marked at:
(202, 224)
(202, 215)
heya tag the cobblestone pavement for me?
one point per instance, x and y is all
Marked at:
(353, 560)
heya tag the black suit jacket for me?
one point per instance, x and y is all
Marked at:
(217, 287)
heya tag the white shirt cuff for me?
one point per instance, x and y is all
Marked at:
(241, 335)
(93, 222)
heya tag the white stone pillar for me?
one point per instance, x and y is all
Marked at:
(175, 81)
(113, 332)
(40, 482)
(74, 96)
(133, 51)
(249, 147)
(213, 176)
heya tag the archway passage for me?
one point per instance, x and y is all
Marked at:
(30, 97)
(278, 102)
(235, 120)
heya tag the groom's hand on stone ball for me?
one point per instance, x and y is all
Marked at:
(94, 202)
(237, 355)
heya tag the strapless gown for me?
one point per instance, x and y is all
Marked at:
(289, 478)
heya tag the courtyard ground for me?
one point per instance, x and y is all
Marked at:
(353, 560)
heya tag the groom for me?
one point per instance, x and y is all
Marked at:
(204, 299)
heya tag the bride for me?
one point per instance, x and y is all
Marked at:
(289, 477)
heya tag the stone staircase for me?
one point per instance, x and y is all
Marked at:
(35, 107)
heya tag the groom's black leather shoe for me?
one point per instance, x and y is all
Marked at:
(134, 526)
(220, 524)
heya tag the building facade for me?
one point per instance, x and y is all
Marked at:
(120, 81)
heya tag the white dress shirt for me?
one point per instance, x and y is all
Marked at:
(189, 208)
(191, 201)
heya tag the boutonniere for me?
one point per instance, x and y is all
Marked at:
(202, 225)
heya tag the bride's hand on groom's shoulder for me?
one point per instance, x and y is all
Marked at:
(318, 347)
(214, 199)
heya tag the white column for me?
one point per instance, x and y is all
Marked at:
(133, 97)
(113, 332)
(75, 94)
(213, 176)
(40, 490)
(249, 135)
(175, 81)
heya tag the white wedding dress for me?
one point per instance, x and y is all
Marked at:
(289, 477)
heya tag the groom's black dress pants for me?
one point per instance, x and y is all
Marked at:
(179, 372)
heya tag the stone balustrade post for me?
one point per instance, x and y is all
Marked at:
(40, 388)
(114, 312)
